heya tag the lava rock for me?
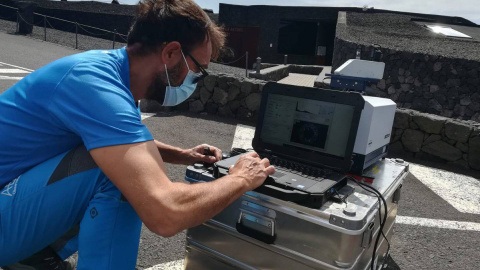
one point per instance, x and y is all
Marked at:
(474, 152)
(443, 150)
(253, 101)
(457, 130)
(209, 82)
(412, 140)
(196, 106)
(429, 123)
(402, 119)
(205, 95)
(220, 96)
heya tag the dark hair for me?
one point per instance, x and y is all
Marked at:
(158, 22)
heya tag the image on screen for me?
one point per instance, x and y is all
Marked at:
(307, 124)
(308, 133)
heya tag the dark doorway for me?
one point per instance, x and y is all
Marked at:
(308, 38)
(325, 42)
(239, 41)
(296, 37)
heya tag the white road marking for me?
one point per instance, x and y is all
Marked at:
(16, 67)
(13, 70)
(147, 115)
(173, 265)
(439, 223)
(460, 191)
(243, 137)
(10, 78)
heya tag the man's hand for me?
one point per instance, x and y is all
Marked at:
(198, 154)
(252, 169)
(176, 155)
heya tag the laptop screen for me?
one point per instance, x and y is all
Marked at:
(307, 125)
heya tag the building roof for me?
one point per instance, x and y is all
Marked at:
(407, 32)
(95, 7)
(313, 9)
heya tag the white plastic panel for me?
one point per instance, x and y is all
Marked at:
(361, 69)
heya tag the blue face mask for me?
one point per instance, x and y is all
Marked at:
(175, 95)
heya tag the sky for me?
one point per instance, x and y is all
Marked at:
(469, 9)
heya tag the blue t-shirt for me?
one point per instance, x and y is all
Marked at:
(80, 99)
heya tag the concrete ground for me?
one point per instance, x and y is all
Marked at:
(299, 79)
(438, 226)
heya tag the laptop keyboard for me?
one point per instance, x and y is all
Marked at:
(306, 171)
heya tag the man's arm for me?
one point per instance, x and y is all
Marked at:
(176, 155)
(170, 154)
(167, 208)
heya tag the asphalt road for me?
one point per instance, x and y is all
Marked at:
(417, 246)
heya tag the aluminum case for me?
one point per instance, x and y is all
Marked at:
(262, 232)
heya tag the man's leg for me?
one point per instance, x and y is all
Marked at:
(47, 201)
(66, 245)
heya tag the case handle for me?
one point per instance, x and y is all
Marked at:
(260, 228)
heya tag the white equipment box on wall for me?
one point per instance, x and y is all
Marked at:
(361, 69)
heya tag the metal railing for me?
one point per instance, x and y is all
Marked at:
(46, 22)
(236, 60)
(75, 25)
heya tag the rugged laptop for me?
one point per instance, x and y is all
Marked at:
(308, 134)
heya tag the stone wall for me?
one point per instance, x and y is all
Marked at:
(264, 65)
(274, 73)
(225, 95)
(417, 134)
(435, 137)
(427, 83)
(306, 69)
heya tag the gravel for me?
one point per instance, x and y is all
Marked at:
(399, 32)
(218, 68)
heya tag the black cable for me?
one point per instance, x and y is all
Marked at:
(380, 219)
(363, 186)
(340, 197)
(382, 224)
(384, 221)
(388, 250)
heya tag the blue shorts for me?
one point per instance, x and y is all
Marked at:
(68, 203)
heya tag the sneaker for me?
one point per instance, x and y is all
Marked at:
(46, 259)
